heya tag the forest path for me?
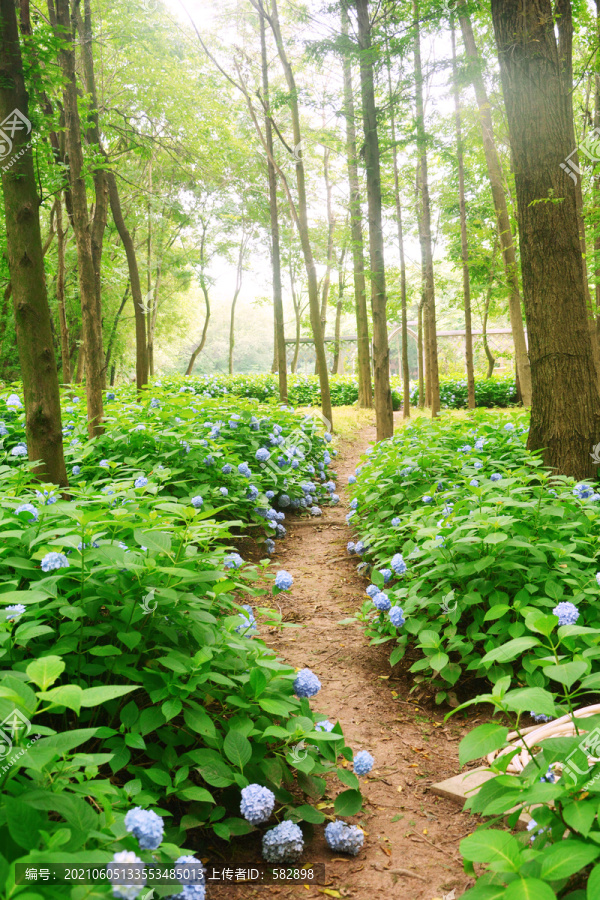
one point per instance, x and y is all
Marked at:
(412, 836)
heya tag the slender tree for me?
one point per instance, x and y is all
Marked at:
(534, 47)
(90, 311)
(238, 287)
(429, 323)
(500, 204)
(384, 413)
(43, 425)
(61, 236)
(464, 246)
(365, 386)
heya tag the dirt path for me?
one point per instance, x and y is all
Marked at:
(412, 837)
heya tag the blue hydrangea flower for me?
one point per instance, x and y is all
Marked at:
(386, 574)
(583, 491)
(397, 616)
(128, 891)
(363, 763)
(395, 521)
(233, 561)
(252, 492)
(466, 449)
(104, 464)
(30, 508)
(269, 494)
(334, 499)
(567, 613)
(283, 580)
(283, 844)
(223, 491)
(496, 476)
(509, 426)
(14, 612)
(270, 546)
(382, 601)
(354, 504)
(372, 590)
(329, 486)
(344, 838)
(53, 561)
(76, 470)
(325, 725)
(197, 502)
(315, 510)
(351, 479)
(549, 777)
(479, 444)
(540, 717)
(110, 396)
(141, 482)
(306, 684)
(146, 826)
(262, 454)
(474, 483)
(3, 430)
(227, 469)
(477, 464)
(327, 437)
(398, 564)
(19, 450)
(13, 402)
(191, 869)
(351, 547)
(257, 804)
(244, 470)
(427, 499)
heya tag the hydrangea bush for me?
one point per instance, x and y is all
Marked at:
(471, 562)
(130, 632)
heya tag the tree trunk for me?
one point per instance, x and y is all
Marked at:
(297, 314)
(279, 350)
(303, 229)
(421, 357)
(365, 386)
(565, 415)
(404, 312)
(464, 246)
(338, 314)
(500, 204)
(200, 346)
(330, 231)
(60, 291)
(238, 287)
(425, 235)
(113, 332)
(90, 312)
(43, 426)
(384, 412)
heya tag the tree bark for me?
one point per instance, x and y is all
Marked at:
(404, 311)
(60, 291)
(90, 312)
(565, 415)
(279, 349)
(200, 346)
(303, 229)
(384, 413)
(365, 386)
(464, 245)
(238, 287)
(421, 356)
(425, 231)
(338, 314)
(500, 204)
(326, 286)
(43, 426)
(297, 315)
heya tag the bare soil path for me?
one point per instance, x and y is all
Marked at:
(412, 836)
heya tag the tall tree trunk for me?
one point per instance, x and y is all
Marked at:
(486, 310)
(338, 313)
(365, 386)
(464, 246)
(279, 351)
(238, 287)
(202, 279)
(113, 331)
(297, 314)
(60, 291)
(500, 204)
(425, 231)
(384, 412)
(326, 286)
(90, 312)
(421, 356)
(404, 311)
(565, 415)
(149, 304)
(43, 426)
(596, 183)
(303, 229)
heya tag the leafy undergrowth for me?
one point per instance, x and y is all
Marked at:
(304, 390)
(129, 631)
(486, 564)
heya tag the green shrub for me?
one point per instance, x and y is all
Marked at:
(498, 391)
(134, 659)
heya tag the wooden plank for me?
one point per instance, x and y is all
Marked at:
(461, 787)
